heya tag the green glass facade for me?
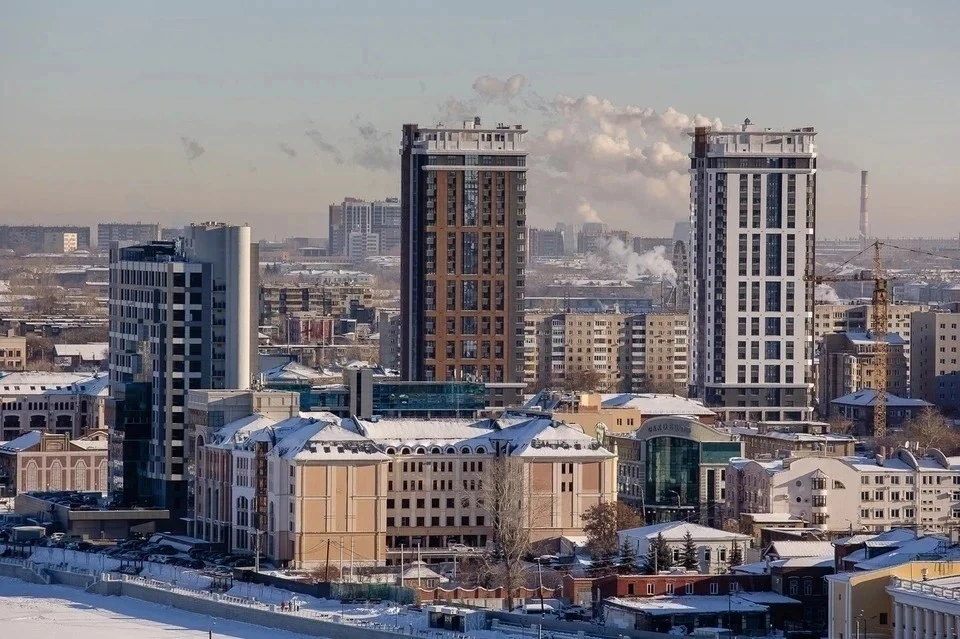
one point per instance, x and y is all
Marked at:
(672, 469)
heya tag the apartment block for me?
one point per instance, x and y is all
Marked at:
(849, 363)
(463, 201)
(665, 352)
(850, 493)
(753, 194)
(546, 243)
(59, 242)
(182, 317)
(138, 233)
(562, 348)
(335, 300)
(934, 359)
(378, 488)
(31, 239)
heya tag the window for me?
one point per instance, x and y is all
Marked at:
(689, 588)
(714, 588)
(794, 587)
(649, 588)
(670, 588)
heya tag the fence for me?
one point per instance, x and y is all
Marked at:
(303, 621)
(334, 590)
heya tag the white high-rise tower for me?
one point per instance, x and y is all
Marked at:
(753, 199)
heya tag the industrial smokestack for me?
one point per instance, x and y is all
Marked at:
(864, 216)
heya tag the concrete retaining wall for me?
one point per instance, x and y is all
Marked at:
(572, 627)
(17, 571)
(292, 622)
(75, 579)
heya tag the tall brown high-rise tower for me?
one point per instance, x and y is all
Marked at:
(463, 198)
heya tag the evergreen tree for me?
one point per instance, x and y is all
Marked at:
(736, 555)
(628, 560)
(688, 556)
(659, 556)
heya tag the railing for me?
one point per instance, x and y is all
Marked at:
(926, 588)
(329, 617)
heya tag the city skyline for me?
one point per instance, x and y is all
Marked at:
(170, 115)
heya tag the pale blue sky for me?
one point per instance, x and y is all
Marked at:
(95, 96)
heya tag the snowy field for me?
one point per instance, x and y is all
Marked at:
(32, 611)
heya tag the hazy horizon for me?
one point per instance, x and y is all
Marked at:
(171, 113)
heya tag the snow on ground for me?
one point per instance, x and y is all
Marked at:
(33, 611)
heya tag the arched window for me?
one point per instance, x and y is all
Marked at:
(451, 450)
(102, 477)
(55, 476)
(465, 450)
(404, 451)
(421, 450)
(31, 480)
(435, 450)
(80, 476)
(391, 451)
(481, 450)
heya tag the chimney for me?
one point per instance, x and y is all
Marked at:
(864, 216)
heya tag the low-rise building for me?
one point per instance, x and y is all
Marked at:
(373, 488)
(675, 468)
(850, 493)
(773, 440)
(41, 461)
(13, 353)
(715, 547)
(911, 600)
(68, 403)
(617, 413)
(858, 409)
(81, 357)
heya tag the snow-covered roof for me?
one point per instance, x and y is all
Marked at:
(787, 549)
(326, 440)
(90, 444)
(868, 397)
(23, 442)
(677, 531)
(291, 372)
(651, 404)
(896, 535)
(772, 518)
(38, 383)
(543, 437)
(701, 604)
(236, 432)
(399, 431)
(790, 436)
(92, 352)
(907, 551)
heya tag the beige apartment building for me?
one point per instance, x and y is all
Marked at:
(13, 354)
(560, 347)
(665, 353)
(364, 492)
(637, 353)
(277, 300)
(934, 359)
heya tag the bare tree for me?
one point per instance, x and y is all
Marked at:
(840, 425)
(504, 494)
(324, 574)
(582, 379)
(929, 429)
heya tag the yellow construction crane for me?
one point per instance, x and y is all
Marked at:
(878, 326)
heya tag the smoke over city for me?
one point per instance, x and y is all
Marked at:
(835, 164)
(652, 263)
(323, 146)
(192, 148)
(826, 294)
(629, 161)
(288, 150)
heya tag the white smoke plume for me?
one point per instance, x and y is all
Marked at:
(587, 212)
(288, 150)
(192, 148)
(826, 294)
(491, 88)
(654, 262)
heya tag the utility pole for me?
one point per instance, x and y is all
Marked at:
(326, 570)
(341, 560)
(400, 578)
(352, 569)
(256, 558)
(419, 565)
